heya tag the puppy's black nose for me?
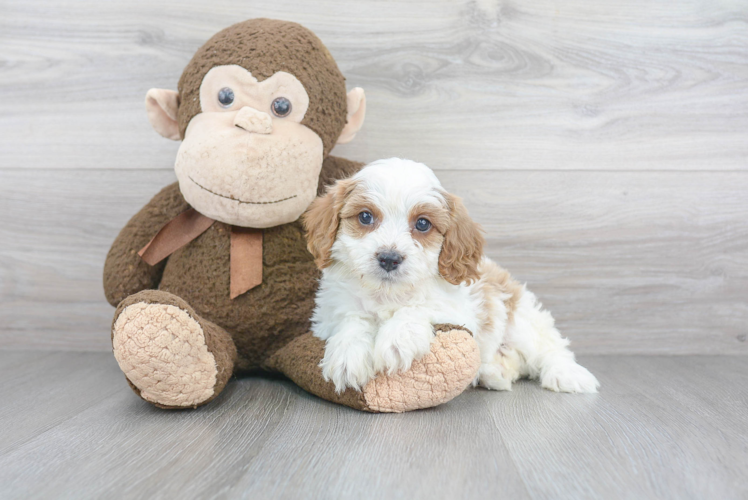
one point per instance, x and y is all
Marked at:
(389, 260)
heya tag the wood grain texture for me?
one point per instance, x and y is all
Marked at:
(72, 383)
(676, 424)
(628, 262)
(458, 84)
(56, 230)
(364, 455)
(661, 427)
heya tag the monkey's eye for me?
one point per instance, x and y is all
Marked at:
(423, 225)
(281, 107)
(366, 218)
(226, 97)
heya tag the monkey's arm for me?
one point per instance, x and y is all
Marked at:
(334, 168)
(125, 273)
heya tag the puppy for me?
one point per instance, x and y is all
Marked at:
(399, 254)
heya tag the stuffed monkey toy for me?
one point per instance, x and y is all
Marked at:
(212, 277)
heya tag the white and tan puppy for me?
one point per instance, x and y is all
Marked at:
(399, 254)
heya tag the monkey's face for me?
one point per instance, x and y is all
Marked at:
(246, 159)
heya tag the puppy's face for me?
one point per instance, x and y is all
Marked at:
(392, 224)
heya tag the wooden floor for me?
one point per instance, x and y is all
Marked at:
(661, 427)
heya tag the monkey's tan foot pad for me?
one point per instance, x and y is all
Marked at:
(436, 378)
(163, 352)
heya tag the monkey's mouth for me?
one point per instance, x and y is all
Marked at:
(236, 199)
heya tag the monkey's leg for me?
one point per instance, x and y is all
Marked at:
(436, 378)
(170, 356)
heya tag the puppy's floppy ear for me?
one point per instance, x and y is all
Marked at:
(322, 218)
(462, 248)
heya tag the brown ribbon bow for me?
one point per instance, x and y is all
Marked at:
(246, 248)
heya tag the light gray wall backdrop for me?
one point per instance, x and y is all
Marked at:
(603, 146)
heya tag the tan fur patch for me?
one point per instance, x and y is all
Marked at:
(340, 206)
(355, 203)
(353, 227)
(497, 282)
(439, 219)
(462, 249)
(162, 351)
(322, 219)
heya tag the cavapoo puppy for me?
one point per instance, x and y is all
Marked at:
(399, 254)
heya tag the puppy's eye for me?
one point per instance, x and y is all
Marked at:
(423, 225)
(281, 107)
(226, 97)
(366, 218)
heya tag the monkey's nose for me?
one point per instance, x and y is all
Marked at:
(252, 120)
(389, 260)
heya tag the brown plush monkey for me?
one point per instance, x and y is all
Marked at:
(212, 277)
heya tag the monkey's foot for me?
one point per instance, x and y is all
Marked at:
(436, 378)
(170, 357)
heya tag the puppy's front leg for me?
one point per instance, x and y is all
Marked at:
(402, 339)
(348, 359)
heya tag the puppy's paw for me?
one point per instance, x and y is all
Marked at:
(347, 365)
(495, 377)
(568, 377)
(398, 344)
(501, 372)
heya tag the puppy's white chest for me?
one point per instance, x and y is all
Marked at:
(383, 312)
(384, 315)
(383, 308)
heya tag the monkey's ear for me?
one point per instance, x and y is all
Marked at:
(356, 112)
(161, 105)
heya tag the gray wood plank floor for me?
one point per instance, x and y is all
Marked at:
(661, 427)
